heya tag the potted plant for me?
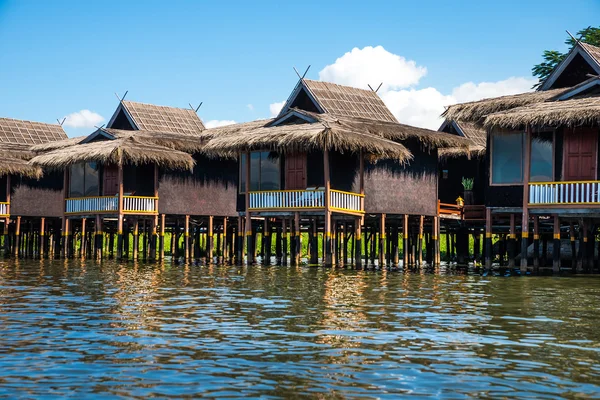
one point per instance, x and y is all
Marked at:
(468, 190)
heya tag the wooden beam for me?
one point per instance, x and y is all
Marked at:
(327, 178)
(556, 245)
(488, 239)
(420, 241)
(405, 249)
(120, 213)
(525, 217)
(382, 244)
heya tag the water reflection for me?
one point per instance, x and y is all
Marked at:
(79, 328)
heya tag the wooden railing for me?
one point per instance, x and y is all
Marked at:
(110, 205)
(564, 193)
(285, 199)
(447, 209)
(96, 204)
(4, 209)
(305, 199)
(346, 201)
(140, 205)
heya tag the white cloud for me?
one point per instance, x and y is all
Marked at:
(83, 119)
(470, 91)
(215, 123)
(418, 107)
(250, 107)
(371, 66)
(275, 108)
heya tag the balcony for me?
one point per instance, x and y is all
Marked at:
(564, 193)
(4, 209)
(110, 205)
(302, 200)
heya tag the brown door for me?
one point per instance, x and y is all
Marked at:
(581, 148)
(295, 171)
(111, 180)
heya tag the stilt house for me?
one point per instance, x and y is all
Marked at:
(542, 162)
(30, 198)
(336, 161)
(143, 172)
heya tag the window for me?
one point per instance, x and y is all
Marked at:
(84, 180)
(507, 158)
(541, 157)
(264, 171)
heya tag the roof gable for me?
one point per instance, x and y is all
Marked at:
(16, 131)
(345, 101)
(470, 130)
(581, 60)
(150, 117)
(588, 87)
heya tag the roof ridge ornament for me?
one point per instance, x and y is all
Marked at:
(376, 90)
(61, 122)
(303, 75)
(121, 98)
(197, 108)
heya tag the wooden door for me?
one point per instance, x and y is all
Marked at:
(581, 152)
(111, 180)
(295, 172)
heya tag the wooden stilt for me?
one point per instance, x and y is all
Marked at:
(314, 243)
(161, 239)
(556, 245)
(210, 240)
(285, 234)
(511, 243)
(488, 239)
(405, 249)
(186, 238)
(536, 242)
(120, 214)
(525, 217)
(136, 238)
(382, 244)
(42, 243)
(358, 242)
(420, 241)
(298, 239)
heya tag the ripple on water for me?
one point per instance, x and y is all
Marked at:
(80, 329)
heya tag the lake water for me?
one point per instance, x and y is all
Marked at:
(80, 329)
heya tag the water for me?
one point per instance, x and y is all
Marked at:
(80, 329)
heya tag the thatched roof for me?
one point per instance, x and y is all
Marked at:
(18, 166)
(127, 149)
(475, 111)
(151, 117)
(346, 101)
(18, 131)
(573, 112)
(345, 134)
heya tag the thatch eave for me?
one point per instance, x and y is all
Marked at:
(18, 166)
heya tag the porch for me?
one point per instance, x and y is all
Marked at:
(110, 205)
(309, 199)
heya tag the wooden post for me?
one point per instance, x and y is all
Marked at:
(120, 213)
(327, 178)
(240, 241)
(573, 246)
(285, 235)
(186, 238)
(405, 249)
(511, 243)
(161, 239)
(136, 238)
(210, 244)
(435, 240)
(83, 241)
(223, 256)
(249, 244)
(556, 245)
(314, 243)
(358, 242)
(420, 241)
(17, 237)
(488, 239)
(42, 242)
(536, 242)
(525, 218)
(298, 239)
(382, 247)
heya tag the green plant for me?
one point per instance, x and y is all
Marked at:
(467, 183)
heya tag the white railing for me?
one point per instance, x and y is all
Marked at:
(346, 201)
(564, 193)
(139, 204)
(4, 209)
(280, 199)
(100, 204)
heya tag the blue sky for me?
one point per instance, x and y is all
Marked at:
(60, 57)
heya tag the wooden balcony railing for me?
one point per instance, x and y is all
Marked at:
(110, 205)
(452, 210)
(564, 193)
(305, 199)
(4, 209)
(286, 199)
(346, 201)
